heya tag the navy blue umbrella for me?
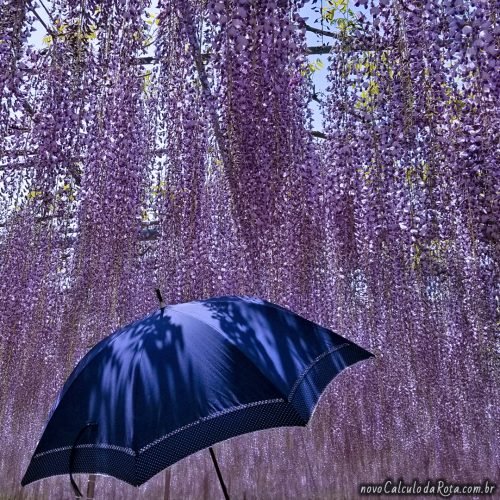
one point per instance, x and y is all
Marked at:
(183, 378)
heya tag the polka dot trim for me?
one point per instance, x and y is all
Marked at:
(136, 468)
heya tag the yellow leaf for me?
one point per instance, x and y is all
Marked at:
(93, 34)
(34, 194)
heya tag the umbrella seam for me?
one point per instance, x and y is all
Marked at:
(301, 376)
(315, 360)
(215, 329)
(136, 453)
(129, 451)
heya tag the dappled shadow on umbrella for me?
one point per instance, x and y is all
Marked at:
(281, 342)
(138, 374)
(298, 356)
(124, 380)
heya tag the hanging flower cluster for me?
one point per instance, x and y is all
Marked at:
(411, 193)
(170, 146)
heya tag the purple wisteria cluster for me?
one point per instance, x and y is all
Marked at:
(170, 146)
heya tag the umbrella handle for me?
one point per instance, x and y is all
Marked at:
(78, 493)
(219, 475)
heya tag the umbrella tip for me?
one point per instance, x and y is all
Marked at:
(160, 298)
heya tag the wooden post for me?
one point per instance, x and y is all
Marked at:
(91, 487)
(166, 489)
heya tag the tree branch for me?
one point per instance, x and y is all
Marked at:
(72, 167)
(318, 31)
(323, 49)
(16, 166)
(319, 49)
(200, 68)
(318, 134)
(24, 103)
(315, 97)
(42, 22)
(46, 10)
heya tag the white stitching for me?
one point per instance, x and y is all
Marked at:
(304, 373)
(129, 451)
(214, 415)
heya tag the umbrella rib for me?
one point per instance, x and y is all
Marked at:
(277, 307)
(215, 329)
(314, 361)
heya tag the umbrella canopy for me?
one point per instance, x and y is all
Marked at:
(183, 378)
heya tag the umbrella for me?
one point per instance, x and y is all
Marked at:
(182, 379)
